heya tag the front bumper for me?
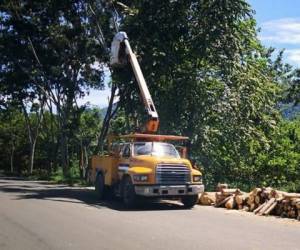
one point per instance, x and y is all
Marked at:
(170, 190)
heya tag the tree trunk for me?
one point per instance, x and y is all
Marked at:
(270, 209)
(32, 153)
(267, 205)
(12, 152)
(54, 145)
(106, 122)
(207, 198)
(259, 208)
(221, 186)
(33, 131)
(65, 154)
(220, 203)
(63, 138)
(230, 204)
(81, 161)
(86, 158)
(229, 191)
(291, 195)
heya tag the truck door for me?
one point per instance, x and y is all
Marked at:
(124, 162)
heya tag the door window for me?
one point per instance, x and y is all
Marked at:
(126, 151)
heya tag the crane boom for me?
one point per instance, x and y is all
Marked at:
(120, 51)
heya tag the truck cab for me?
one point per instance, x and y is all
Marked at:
(147, 166)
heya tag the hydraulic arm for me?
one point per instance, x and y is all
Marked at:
(120, 51)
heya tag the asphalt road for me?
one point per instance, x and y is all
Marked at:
(37, 215)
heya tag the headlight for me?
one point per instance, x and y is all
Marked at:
(197, 178)
(140, 178)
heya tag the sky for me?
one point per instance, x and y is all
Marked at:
(279, 21)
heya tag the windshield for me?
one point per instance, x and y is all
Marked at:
(156, 149)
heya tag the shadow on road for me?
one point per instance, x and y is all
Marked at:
(21, 189)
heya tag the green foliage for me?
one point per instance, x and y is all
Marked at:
(89, 125)
(279, 166)
(293, 90)
(73, 178)
(209, 75)
(52, 54)
(15, 146)
(13, 140)
(211, 79)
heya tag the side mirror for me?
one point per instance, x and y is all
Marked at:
(182, 152)
(194, 164)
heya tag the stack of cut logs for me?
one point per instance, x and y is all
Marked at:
(261, 201)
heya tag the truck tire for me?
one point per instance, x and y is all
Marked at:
(129, 196)
(189, 201)
(99, 186)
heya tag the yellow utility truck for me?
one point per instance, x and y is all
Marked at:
(144, 165)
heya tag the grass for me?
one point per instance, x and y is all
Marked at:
(57, 177)
(72, 179)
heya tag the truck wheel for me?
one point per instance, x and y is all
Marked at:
(189, 201)
(99, 186)
(129, 196)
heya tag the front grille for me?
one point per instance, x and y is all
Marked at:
(172, 174)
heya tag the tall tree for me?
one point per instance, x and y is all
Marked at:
(52, 48)
(209, 76)
(12, 138)
(89, 126)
